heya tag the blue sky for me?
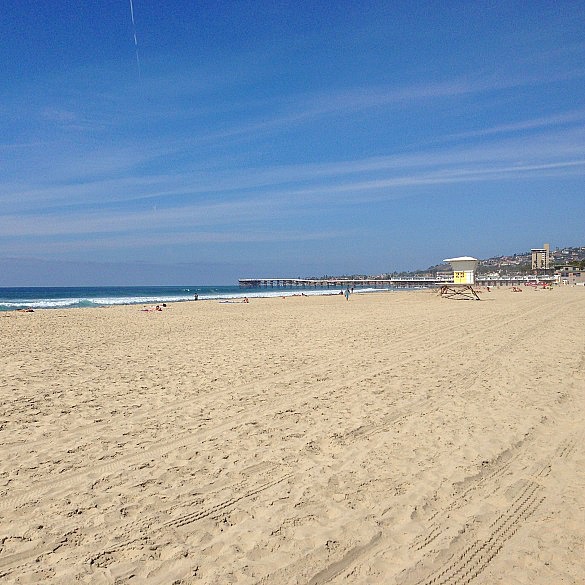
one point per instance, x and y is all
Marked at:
(277, 138)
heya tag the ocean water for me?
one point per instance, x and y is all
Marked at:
(13, 299)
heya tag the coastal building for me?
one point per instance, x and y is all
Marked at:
(541, 258)
(570, 275)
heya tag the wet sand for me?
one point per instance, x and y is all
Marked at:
(395, 438)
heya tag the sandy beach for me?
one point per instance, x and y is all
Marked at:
(397, 438)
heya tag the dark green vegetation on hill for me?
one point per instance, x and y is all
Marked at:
(512, 264)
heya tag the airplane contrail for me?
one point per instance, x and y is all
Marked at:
(135, 39)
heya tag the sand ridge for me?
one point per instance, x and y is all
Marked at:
(395, 438)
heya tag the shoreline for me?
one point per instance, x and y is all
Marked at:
(100, 302)
(23, 300)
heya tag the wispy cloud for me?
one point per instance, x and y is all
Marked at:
(519, 152)
(561, 119)
(283, 113)
(93, 191)
(153, 241)
(239, 219)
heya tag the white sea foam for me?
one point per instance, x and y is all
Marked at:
(59, 303)
(40, 303)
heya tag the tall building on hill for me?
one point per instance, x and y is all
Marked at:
(541, 258)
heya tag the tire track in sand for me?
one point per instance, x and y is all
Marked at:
(478, 553)
(66, 483)
(57, 486)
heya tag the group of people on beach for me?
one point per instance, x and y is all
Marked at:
(244, 300)
(154, 309)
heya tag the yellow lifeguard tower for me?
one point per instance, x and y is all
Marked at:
(464, 269)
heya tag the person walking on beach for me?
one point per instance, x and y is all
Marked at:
(347, 294)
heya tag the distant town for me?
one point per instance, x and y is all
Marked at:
(521, 264)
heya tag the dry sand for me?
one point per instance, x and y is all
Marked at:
(395, 438)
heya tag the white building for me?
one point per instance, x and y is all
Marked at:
(464, 268)
(541, 258)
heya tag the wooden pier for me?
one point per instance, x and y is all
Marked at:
(405, 282)
(330, 283)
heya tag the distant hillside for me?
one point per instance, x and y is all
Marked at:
(520, 263)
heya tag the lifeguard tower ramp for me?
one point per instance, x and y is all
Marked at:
(464, 269)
